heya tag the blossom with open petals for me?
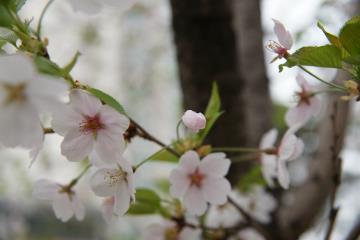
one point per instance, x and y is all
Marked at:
(274, 158)
(168, 230)
(95, 6)
(65, 201)
(308, 105)
(194, 121)
(90, 129)
(199, 182)
(284, 38)
(24, 95)
(117, 182)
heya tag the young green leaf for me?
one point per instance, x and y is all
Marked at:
(46, 66)
(350, 34)
(106, 98)
(147, 202)
(164, 155)
(6, 19)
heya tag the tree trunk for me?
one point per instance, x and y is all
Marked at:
(214, 44)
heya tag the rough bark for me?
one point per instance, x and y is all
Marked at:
(213, 44)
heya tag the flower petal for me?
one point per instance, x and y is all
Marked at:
(194, 201)
(180, 183)
(268, 168)
(62, 207)
(113, 120)
(109, 146)
(108, 209)
(216, 190)
(189, 161)
(16, 68)
(283, 174)
(269, 138)
(76, 145)
(282, 34)
(299, 115)
(84, 103)
(66, 119)
(100, 182)
(215, 164)
(122, 199)
(45, 189)
(78, 208)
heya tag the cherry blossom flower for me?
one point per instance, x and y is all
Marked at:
(250, 234)
(199, 182)
(117, 182)
(169, 230)
(65, 201)
(90, 129)
(257, 203)
(284, 38)
(274, 159)
(24, 95)
(194, 121)
(308, 105)
(95, 6)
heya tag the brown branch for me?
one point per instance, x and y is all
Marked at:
(355, 232)
(48, 130)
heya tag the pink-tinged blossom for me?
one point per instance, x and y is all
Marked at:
(274, 158)
(194, 121)
(198, 182)
(24, 95)
(257, 203)
(95, 6)
(117, 182)
(308, 105)
(90, 129)
(285, 40)
(168, 230)
(65, 201)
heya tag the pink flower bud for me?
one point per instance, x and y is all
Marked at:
(194, 121)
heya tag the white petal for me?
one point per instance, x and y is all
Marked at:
(109, 146)
(216, 190)
(283, 35)
(299, 115)
(299, 148)
(78, 208)
(20, 126)
(76, 145)
(84, 103)
(194, 201)
(65, 119)
(122, 199)
(45, 189)
(189, 161)
(100, 182)
(189, 234)
(268, 168)
(62, 207)
(303, 83)
(287, 146)
(46, 93)
(269, 138)
(16, 68)
(180, 183)
(283, 174)
(108, 209)
(215, 164)
(113, 120)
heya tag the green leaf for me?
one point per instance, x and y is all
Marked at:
(212, 112)
(334, 40)
(16, 5)
(350, 34)
(68, 68)
(354, 60)
(6, 19)
(106, 98)
(46, 66)
(164, 156)
(253, 177)
(147, 202)
(327, 56)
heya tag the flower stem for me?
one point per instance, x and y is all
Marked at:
(39, 26)
(332, 85)
(75, 180)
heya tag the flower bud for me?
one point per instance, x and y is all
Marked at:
(194, 121)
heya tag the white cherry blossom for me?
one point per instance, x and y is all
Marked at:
(169, 230)
(95, 6)
(284, 38)
(65, 201)
(24, 95)
(308, 105)
(274, 158)
(115, 181)
(257, 203)
(90, 129)
(199, 182)
(194, 121)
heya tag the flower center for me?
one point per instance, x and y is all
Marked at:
(67, 189)
(91, 125)
(196, 178)
(304, 97)
(14, 93)
(278, 49)
(115, 177)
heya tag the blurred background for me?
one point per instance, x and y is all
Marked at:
(133, 56)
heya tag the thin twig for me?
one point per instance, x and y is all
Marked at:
(355, 232)
(252, 222)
